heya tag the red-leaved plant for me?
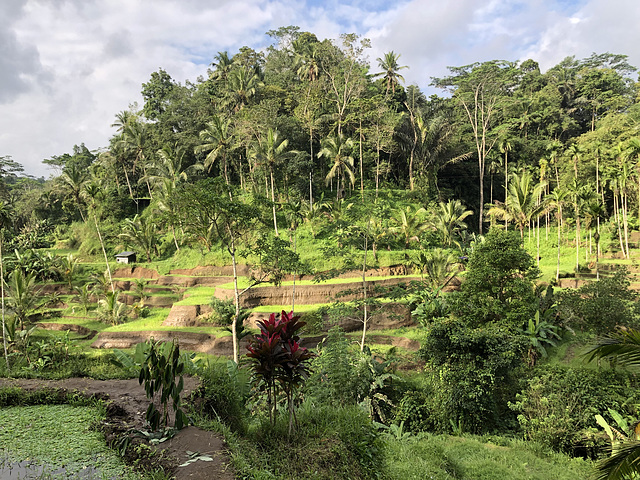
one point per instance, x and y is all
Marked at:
(277, 359)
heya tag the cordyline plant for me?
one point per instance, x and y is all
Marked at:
(278, 360)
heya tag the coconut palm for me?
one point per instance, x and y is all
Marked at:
(594, 211)
(141, 232)
(450, 221)
(389, 65)
(271, 153)
(555, 201)
(73, 179)
(217, 139)
(24, 296)
(522, 203)
(409, 223)
(242, 85)
(505, 147)
(337, 149)
(170, 165)
(222, 66)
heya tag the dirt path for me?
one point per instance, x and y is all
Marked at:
(127, 406)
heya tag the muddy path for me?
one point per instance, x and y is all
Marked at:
(126, 407)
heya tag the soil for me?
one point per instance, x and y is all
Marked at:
(126, 408)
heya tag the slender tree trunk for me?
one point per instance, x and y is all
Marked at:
(559, 239)
(506, 183)
(4, 324)
(106, 259)
(364, 294)
(616, 213)
(311, 170)
(625, 223)
(236, 298)
(361, 164)
(577, 240)
(273, 203)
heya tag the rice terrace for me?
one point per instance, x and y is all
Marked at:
(299, 266)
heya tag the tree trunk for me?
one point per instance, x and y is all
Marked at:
(364, 295)
(106, 259)
(236, 298)
(273, 203)
(4, 324)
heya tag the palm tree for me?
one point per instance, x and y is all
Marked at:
(449, 220)
(594, 211)
(306, 59)
(624, 348)
(505, 147)
(222, 66)
(141, 232)
(74, 179)
(337, 149)
(92, 192)
(556, 200)
(135, 139)
(522, 204)
(24, 296)
(409, 223)
(170, 166)
(242, 85)
(217, 139)
(390, 67)
(271, 153)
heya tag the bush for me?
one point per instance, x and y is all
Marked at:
(499, 283)
(330, 443)
(558, 407)
(223, 394)
(601, 306)
(474, 373)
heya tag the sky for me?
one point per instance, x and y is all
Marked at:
(67, 67)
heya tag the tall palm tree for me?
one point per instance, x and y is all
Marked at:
(306, 60)
(242, 85)
(135, 139)
(74, 178)
(217, 139)
(271, 153)
(505, 147)
(594, 211)
(389, 65)
(337, 149)
(222, 65)
(555, 201)
(170, 165)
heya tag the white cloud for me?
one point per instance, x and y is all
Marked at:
(68, 66)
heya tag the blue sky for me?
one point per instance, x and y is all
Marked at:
(68, 66)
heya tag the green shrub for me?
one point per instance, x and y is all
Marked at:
(330, 443)
(223, 394)
(558, 407)
(601, 306)
(473, 374)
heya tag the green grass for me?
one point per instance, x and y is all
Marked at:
(243, 282)
(442, 457)
(60, 439)
(197, 296)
